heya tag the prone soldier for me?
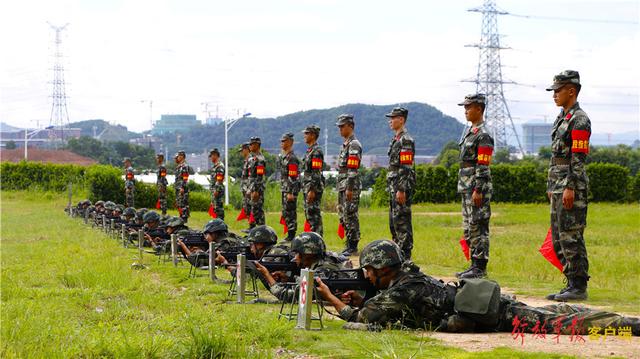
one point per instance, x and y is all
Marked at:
(313, 179)
(349, 183)
(474, 185)
(129, 183)
(216, 183)
(401, 180)
(289, 184)
(567, 185)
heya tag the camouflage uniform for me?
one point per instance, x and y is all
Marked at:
(313, 180)
(256, 167)
(244, 177)
(289, 183)
(401, 177)
(161, 184)
(569, 146)
(129, 186)
(181, 181)
(476, 149)
(216, 184)
(349, 179)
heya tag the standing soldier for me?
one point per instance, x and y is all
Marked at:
(244, 177)
(401, 180)
(256, 167)
(312, 180)
(161, 184)
(180, 184)
(349, 184)
(474, 184)
(129, 182)
(567, 185)
(216, 184)
(289, 184)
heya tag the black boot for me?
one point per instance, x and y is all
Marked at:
(552, 296)
(473, 263)
(290, 235)
(577, 290)
(478, 270)
(350, 249)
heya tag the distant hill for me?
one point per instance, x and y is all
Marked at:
(430, 128)
(104, 130)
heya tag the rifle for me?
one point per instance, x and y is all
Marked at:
(195, 239)
(231, 253)
(340, 281)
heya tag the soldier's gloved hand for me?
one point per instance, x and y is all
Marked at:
(290, 197)
(477, 198)
(401, 198)
(255, 196)
(311, 197)
(349, 194)
(567, 198)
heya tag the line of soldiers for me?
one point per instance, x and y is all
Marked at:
(402, 297)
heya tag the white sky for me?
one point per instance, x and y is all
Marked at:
(276, 57)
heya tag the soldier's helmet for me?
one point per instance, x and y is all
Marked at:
(381, 253)
(263, 234)
(99, 203)
(215, 225)
(151, 216)
(86, 202)
(119, 208)
(129, 212)
(110, 206)
(140, 214)
(308, 243)
(173, 221)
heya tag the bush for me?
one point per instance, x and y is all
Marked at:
(105, 183)
(635, 187)
(518, 184)
(607, 182)
(40, 176)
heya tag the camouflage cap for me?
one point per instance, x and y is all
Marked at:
(180, 153)
(215, 225)
(345, 119)
(173, 221)
(308, 243)
(312, 129)
(126, 159)
(381, 253)
(245, 146)
(86, 202)
(286, 136)
(263, 234)
(255, 139)
(160, 154)
(129, 212)
(151, 216)
(398, 111)
(140, 213)
(99, 203)
(215, 150)
(474, 98)
(110, 205)
(564, 78)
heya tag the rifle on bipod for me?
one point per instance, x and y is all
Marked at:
(340, 281)
(231, 253)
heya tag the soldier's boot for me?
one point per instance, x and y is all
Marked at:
(351, 248)
(577, 290)
(634, 323)
(479, 270)
(473, 263)
(552, 296)
(291, 234)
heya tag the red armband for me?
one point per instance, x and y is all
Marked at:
(406, 157)
(316, 164)
(219, 177)
(163, 173)
(353, 162)
(580, 141)
(260, 170)
(185, 176)
(293, 170)
(129, 176)
(484, 155)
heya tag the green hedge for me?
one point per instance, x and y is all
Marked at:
(39, 176)
(518, 184)
(608, 182)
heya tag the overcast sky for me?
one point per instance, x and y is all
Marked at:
(276, 57)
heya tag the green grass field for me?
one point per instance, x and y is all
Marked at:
(69, 291)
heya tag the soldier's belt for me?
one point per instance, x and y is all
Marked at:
(465, 164)
(560, 161)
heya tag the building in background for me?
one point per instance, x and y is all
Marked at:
(212, 121)
(173, 123)
(536, 135)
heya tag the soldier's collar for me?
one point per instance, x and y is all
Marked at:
(399, 134)
(572, 110)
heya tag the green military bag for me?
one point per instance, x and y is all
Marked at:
(479, 300)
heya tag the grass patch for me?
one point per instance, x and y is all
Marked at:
(68, 291)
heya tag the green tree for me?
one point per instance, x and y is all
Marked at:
(11, 145)
(502, 156)
(449, 157)
(544, 153)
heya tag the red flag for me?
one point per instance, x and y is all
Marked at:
(341, 231)
(180, 211)
(241, 215)
(548, 253)
(307, 226)
(251, 218)
(212, 211)
(284, 223)
(465, 247)
(158, 206)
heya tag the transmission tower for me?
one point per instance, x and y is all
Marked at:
(59, 114)
(489, 77)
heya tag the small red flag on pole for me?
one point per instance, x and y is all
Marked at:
(549, 253)
(307, 226)
(340, 230)
(241, 215)
(465, 247)
(284, 224)
(212, 212)
(158, 206)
